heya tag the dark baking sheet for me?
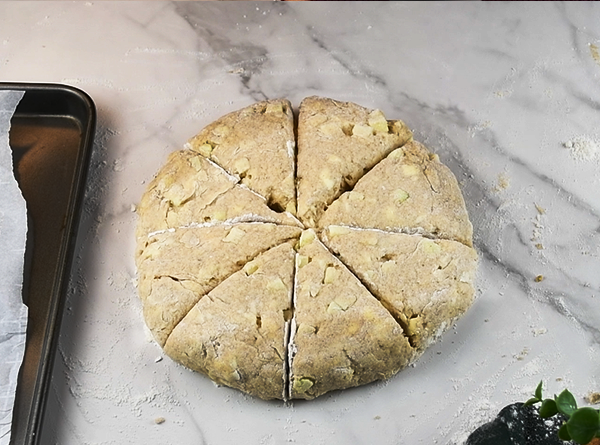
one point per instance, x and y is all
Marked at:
(51, 138)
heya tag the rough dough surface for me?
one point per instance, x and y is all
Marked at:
(287, 272)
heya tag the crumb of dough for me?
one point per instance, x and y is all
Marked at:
(503, 182)
(538, 278)
(159, 420)
(540, 209)
(593, 398)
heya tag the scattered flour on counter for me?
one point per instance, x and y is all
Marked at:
(583, 148)
(156, 397)
(538, 227)
(480, 412)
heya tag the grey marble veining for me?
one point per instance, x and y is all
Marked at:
(496, 89)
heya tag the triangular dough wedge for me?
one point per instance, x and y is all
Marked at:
(179, 267)
(236, 334)
(426, 284)
(410, 190)
(190, 190)
(257, 144)
(187, 180)
(337, 143)
(341, 335)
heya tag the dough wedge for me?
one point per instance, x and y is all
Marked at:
(410, 190)
(236, 334)
(177, 268)
(192, 190)
(257, 144)
(426, 284)
(341, 335)
(337, 143)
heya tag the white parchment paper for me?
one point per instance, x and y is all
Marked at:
(13, 233)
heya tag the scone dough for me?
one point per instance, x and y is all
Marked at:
(290, 272)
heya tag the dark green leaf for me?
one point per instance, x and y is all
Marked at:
(538, 391)
(563, 434)
(531, 401)
(565, 403)
(583, 425)
(548, 408)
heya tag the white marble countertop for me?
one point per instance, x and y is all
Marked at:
(496, 89)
